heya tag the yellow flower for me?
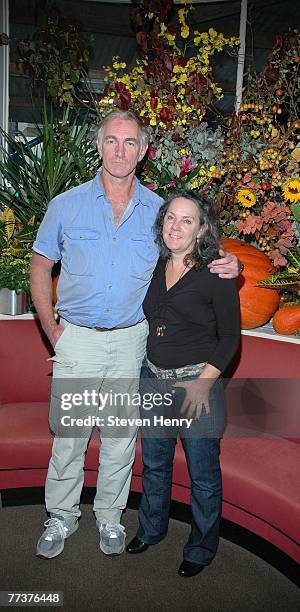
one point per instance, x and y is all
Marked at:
(246, 198)
(163, 29)
(181, 15)
(181, 79)
(185, 32)
(187, 109)
(170, 38)
(119, 65)
(292, 190)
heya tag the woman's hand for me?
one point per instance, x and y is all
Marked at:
(197, 392)
(196, 398)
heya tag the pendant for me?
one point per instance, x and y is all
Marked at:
(160, 330)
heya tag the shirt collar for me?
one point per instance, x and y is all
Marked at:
(137, 194)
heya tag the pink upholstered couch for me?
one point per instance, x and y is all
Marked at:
(261, 473)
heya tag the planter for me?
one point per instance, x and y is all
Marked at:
(12, 303)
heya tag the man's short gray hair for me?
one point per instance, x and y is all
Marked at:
(128, 116)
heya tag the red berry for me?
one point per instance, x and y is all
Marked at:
(279, 92)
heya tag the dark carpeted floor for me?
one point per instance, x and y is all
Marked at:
(237, 581)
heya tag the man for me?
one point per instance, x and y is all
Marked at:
(101, 232)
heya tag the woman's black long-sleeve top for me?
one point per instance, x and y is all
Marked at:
(197, 320)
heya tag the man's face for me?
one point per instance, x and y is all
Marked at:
(121, 148)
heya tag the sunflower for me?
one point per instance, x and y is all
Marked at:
(246, 198)
(292, 190)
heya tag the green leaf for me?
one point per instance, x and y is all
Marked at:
(293, 258)
(296, 210)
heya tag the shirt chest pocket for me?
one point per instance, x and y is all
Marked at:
(82, 251)
(144, 255)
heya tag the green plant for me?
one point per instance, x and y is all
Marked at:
(56, 57)
(14, 272)
(62, 157)
(16, 250)
(289, 279)
(190, 165)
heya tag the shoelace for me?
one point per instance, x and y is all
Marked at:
(114, 530)
(53, 525)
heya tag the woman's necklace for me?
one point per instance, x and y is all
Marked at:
(160, 330)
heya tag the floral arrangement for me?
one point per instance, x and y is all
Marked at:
(250, 167)
(170, 88)
(259, 196)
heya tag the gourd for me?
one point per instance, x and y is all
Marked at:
(257, 303)
(287, 319)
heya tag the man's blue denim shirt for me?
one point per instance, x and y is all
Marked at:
(105, 272)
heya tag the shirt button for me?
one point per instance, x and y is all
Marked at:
(114, 239)
(112, 263)
(107, 309)
(109, 286)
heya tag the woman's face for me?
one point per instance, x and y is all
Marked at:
(181, 226)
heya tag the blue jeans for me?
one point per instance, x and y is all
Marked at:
(202, 455)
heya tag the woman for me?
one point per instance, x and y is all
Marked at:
(194, 331)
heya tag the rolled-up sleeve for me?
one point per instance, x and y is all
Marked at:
(49, 237)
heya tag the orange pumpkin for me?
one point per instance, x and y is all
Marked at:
(287, 319)
(257, 303)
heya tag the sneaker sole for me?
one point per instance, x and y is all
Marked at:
(108, 553)
(47, 557)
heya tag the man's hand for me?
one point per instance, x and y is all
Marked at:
(54, 333)
(228, 266)
(41, 293)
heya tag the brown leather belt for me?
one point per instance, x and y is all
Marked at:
(107, 329)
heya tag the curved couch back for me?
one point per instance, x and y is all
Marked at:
(25, 373)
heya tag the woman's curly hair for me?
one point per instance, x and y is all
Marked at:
(207, 246)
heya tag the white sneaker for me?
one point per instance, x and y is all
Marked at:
(52, 541)
(112, 538)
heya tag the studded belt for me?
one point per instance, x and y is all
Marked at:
(188, 370)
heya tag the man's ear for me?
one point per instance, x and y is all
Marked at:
(142, 152)
(99, 147)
